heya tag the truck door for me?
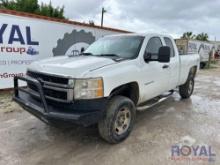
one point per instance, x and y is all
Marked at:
(174, 64)
(155, 74)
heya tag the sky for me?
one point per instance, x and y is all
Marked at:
(172, 17)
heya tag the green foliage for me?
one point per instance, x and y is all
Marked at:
(91, 22)
(190, 35)
(202, 37)
(32, 6)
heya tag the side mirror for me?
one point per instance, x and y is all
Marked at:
(164, 54)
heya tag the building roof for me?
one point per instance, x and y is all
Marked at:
(29, 15)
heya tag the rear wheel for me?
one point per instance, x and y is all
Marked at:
(118, 120)
(186, 89)
(202, 65)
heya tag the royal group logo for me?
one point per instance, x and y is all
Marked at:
(10, 75)
(31, 51)
(201, 153)
(13, 35)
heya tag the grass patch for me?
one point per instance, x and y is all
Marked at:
(214, 62)
(5, 94)
(213, 65)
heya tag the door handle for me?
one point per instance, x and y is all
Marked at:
(165, 66)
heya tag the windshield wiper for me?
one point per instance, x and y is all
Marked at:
(118, 58)
(86, 54)
(110, 55)
(81, 54)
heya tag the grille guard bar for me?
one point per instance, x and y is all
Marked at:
(35, 94)
(84, 112)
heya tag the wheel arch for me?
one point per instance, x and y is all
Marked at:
(192, 71)
(130, 90)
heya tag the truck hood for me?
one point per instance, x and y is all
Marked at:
(70, 66)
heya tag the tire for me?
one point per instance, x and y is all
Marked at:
(202, 65)
(118, 121)
(186, 89)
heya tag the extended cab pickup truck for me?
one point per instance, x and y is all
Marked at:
(106, 84)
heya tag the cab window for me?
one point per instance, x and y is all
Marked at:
(153, 47)
(170, 44)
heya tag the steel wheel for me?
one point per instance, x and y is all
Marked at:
(118, 121)
(186, 89)
(122, 121)
(190, 89)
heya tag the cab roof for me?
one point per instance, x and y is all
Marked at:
(141, 34)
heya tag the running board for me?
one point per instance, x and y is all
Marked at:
(154, 102)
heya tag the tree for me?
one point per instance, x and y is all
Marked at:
(188, 35)
(5, 4)
(50, 11)
(27, 5)
(91, 22)
(202, 37)
(32, 6)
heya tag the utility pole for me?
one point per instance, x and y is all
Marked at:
(103, 11)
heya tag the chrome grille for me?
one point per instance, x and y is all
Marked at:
(48, 78)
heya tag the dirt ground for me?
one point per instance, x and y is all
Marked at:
(193, 122)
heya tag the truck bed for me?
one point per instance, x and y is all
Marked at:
(186, 62)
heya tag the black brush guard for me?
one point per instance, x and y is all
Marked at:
(82, 112)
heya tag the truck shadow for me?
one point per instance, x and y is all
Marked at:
(144, 118)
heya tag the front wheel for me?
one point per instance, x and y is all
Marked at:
(186, 89)
(118, 120)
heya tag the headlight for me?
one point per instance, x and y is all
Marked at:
(88, 88)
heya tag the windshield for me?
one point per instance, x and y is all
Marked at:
(126, 47)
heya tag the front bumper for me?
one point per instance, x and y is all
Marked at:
(82, 112)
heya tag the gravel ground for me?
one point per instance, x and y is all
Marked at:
(193, 122)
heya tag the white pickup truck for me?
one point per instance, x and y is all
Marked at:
(116, 76)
